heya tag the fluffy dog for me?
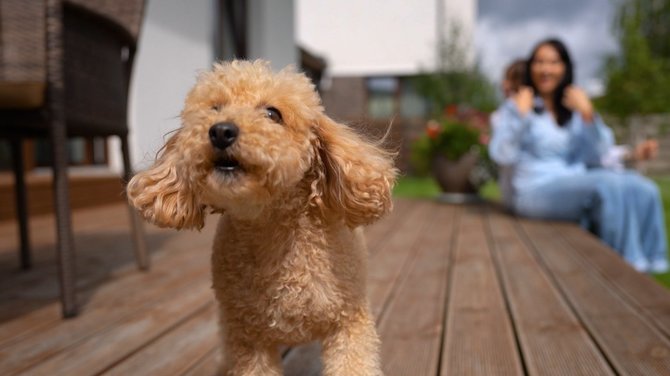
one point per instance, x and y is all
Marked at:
(294, 187)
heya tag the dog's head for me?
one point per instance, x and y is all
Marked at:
(250, 136)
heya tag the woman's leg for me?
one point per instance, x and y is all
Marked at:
(629, 225)
(598, 195)
(645, 197)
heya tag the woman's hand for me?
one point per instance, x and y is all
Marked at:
(523, 99)
(646, 150)
(576, 99)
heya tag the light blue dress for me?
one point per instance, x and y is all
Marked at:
(552, 172)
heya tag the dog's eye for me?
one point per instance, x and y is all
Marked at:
(273, 114)
(216, 107)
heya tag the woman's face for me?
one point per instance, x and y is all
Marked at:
(547, 69)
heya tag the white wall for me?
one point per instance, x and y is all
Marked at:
(367, 37)
(176, 42)
(271, 32)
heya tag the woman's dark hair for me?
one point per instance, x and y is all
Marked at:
(563, 114)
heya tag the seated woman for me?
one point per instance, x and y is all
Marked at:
(548, 133)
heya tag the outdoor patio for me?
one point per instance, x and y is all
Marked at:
(455, 289)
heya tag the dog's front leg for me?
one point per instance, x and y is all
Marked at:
(243, 358)
(353, 348)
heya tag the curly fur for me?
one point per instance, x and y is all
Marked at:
(289, 258)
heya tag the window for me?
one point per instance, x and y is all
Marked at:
(81, 152)
(391, 96)
(37, 153)
(412, 105)
(382, 92)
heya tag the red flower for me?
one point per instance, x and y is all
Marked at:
(451, 110)
(433, 129)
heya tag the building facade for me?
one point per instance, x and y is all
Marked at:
(374, 49)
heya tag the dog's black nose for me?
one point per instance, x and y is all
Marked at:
(223, 135)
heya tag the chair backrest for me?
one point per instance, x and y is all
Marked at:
(100, 37)
(22, 54)
(97, 65)
(22, 33)
(127, 13)
(99, 41)
(22, 46)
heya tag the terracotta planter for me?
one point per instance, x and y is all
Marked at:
(454, 176)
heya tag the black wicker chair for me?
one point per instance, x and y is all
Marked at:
(64, 72)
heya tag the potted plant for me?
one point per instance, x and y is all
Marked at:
(454, 150)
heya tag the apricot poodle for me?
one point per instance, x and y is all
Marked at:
(293, 188)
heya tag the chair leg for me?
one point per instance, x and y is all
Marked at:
(141, 254)
(58, 139)
(65, 242)
(21, 203)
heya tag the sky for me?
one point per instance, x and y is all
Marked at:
(508, 29)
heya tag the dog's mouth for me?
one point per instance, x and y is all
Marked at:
(227, 164)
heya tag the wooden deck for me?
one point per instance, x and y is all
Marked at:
(456, 290)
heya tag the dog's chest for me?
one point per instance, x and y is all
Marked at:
(288, 285)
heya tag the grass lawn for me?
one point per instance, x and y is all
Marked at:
(425, 187)
(664, 186)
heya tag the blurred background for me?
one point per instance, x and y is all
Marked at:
(387, 63)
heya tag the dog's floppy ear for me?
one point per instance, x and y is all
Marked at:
(164, 193)
(354, 176)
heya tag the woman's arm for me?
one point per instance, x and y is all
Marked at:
(508, 125)
(592, 139)
(576, 100)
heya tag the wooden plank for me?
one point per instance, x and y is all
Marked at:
(104, 316)
(23, 317)
(96, 353)
(99, 244)
(551, 337)
(554, 282)
(381, 230)
(31, 296)
(391, 259)
(649, 296)
(100, 252)
(99, 255)
(42, 232)
(85, 191)
(208, 365)
(102, 242)
(479, 338)
(386, 269)
(411, 330)
(631, 343)
(175, 352)
(168, 271)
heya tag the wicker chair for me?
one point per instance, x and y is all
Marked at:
(64, 72)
